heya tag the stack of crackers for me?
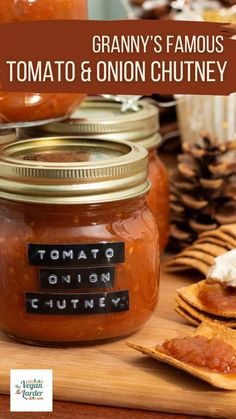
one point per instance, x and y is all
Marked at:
(191, 308)
(200, 256)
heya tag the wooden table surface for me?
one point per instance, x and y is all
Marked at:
(69, 410)
(63, 410)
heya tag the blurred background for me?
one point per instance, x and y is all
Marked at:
(106, 9)
(210, 10)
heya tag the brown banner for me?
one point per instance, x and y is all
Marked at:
(118, 57)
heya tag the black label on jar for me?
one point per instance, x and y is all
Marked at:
(74, 304)
(76, 254)
(62, 279)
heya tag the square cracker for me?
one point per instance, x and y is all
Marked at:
(201, 316)
(186, 316)
(186, 263)
(214, 241)
(209, 330)
(229, 229)
(190, 295)
(198, 255)
(219, 234)
(209, 248)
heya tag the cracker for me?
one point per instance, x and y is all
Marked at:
(213, 240)
(209, 330)
(189, 263)
(229, 229)
(209, 248)
(177, 268)
(209, 233)
(197, 254)
(201, 316)
(219, 234)
(186, 316)
(190, 295)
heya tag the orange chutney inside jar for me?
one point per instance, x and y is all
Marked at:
(29, 107)
(77, 272)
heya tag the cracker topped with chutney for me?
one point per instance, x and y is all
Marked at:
(209, 354)
(213, 298)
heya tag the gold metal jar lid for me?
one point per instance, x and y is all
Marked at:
(6, 137)
(70, 170)
(103, 119)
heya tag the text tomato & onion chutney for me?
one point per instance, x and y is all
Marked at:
(28, 108)
(79, 251)
(100, 118)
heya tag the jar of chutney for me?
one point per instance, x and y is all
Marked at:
(79, 254)
(24, 109)
(100, 118)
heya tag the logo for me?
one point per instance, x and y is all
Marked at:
(31, 390)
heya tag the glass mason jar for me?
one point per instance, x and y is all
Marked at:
(158, 197)
(84, 264)
(27, 108)
(99, 118)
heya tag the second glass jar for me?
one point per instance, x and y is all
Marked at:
(28, 108)
(99, 118)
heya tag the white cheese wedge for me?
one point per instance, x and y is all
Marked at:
(224, 269)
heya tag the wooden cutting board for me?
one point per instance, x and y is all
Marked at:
(115, 375)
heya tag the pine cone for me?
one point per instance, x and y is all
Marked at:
(203, 190)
